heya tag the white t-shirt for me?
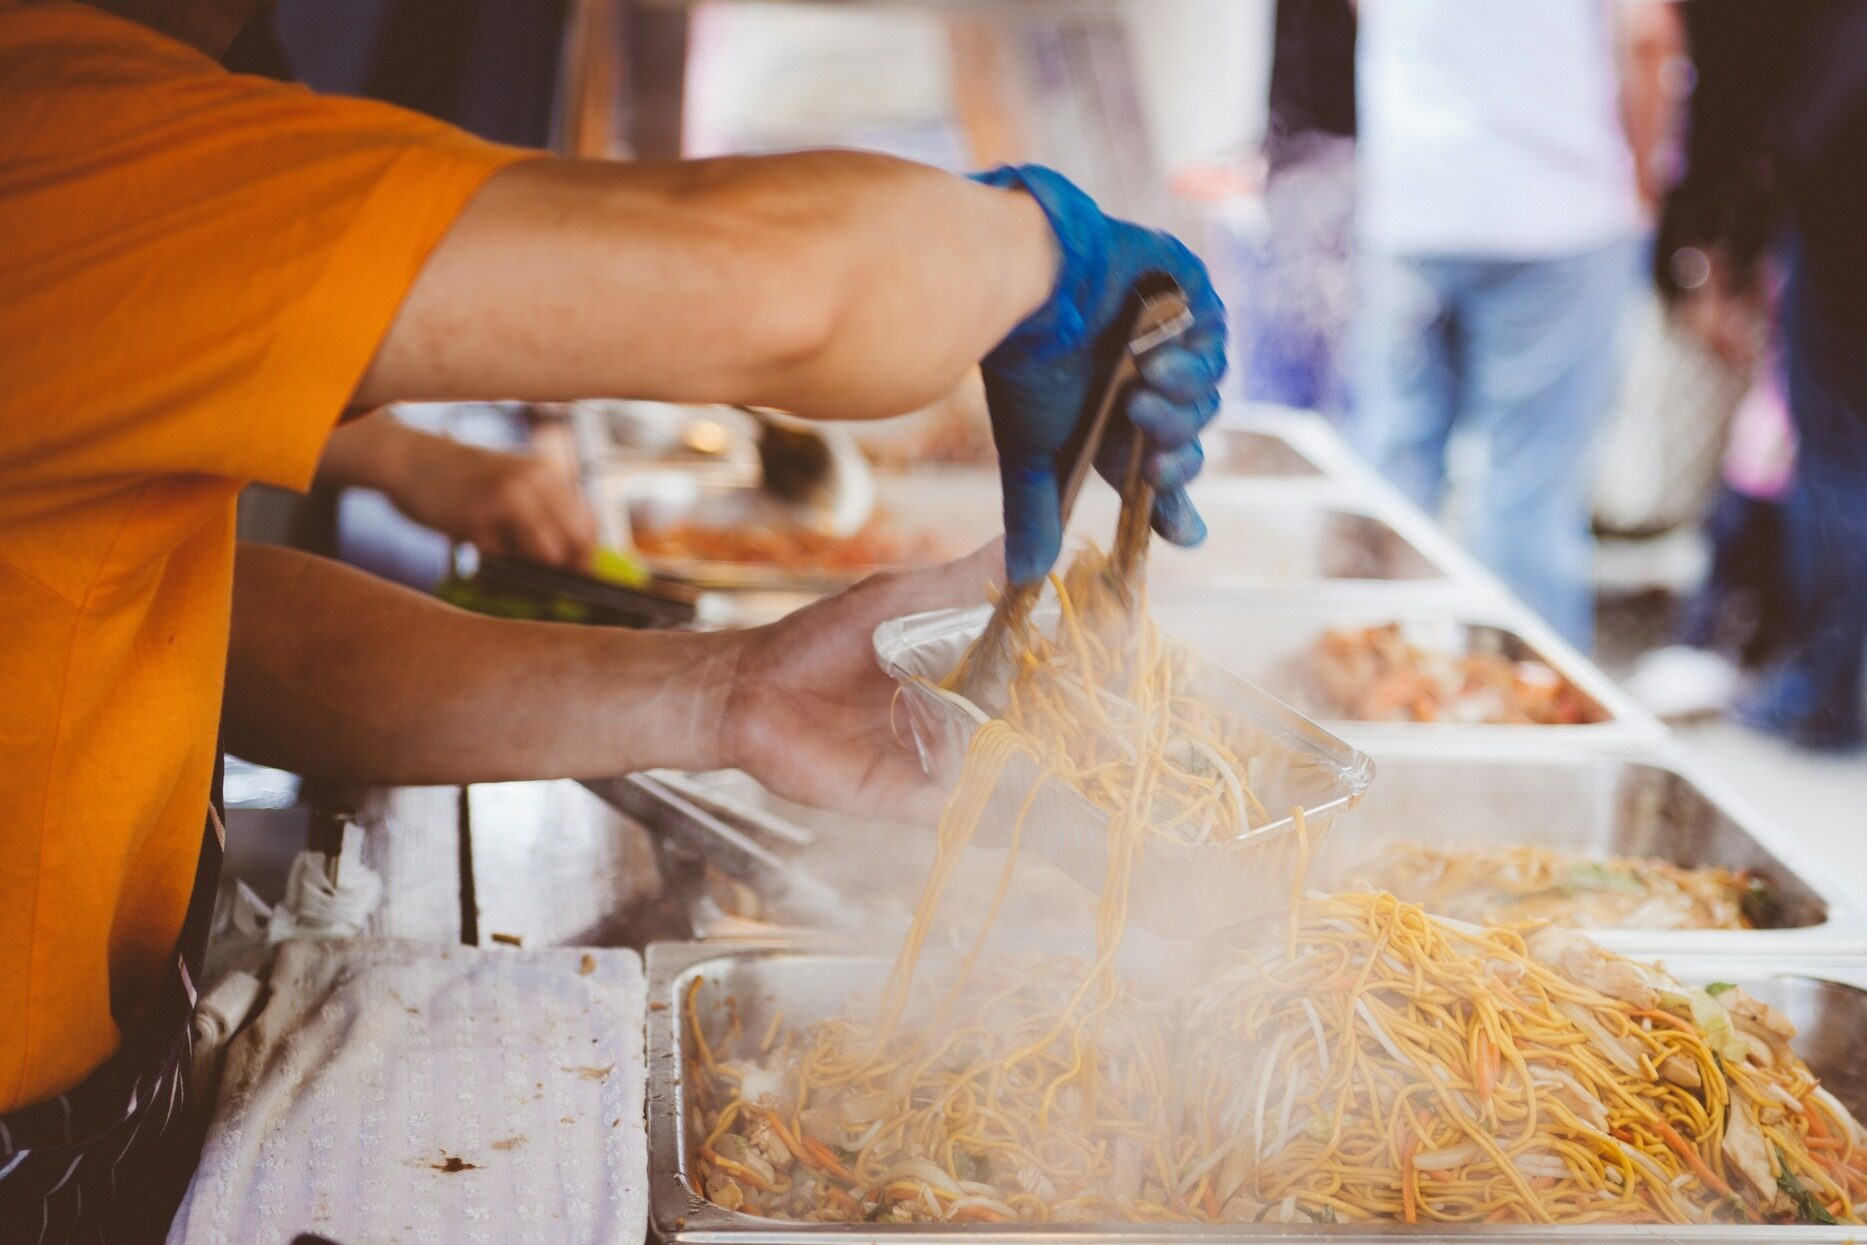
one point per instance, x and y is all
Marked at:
(1490, 128)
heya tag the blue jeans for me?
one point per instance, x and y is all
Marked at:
(1813, 696)
(1522, 352)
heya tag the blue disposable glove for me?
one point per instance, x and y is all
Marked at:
(1038, 380)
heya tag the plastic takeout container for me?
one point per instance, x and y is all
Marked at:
(1180, 890)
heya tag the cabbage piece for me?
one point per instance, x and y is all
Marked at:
(1711, 1018)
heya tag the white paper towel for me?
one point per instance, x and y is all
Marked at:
(402, 1093)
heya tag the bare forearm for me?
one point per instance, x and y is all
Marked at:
(1651, 37)
(840, 284)
(337, 674)
(369, 452)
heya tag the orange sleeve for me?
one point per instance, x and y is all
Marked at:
(196, 267)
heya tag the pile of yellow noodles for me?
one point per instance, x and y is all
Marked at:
(1396, 1067)
(1106, 704)
(1377, 1064)
(1406, 1066)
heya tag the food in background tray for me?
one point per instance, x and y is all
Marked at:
(1366, 1061)
(1511, 882)
(878, 543)
(1379, 674)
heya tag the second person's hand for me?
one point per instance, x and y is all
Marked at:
(810, 712)
(1037, 381)
(500, 503)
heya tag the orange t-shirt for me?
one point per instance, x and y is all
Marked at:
(196, 268)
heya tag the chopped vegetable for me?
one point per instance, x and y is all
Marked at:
(1809, 1208)
(1592, 875)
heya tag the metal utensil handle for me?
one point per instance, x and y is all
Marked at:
(1134, 527)
(1160, 315)
(727, 847)
(1163, 317)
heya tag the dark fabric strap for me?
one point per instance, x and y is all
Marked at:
(107, 1161)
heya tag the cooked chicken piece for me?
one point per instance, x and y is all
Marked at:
(736, 1149)
(821, 1123)
(1577, 957)
(724, 1192)
(1681, 1071)
(1748, 1010)
(765, 1143)
(1746, 1151)
(1757, 1050)
(1240, 1209)
(1007, 1170)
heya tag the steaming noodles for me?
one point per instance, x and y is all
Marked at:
(1363, 1061)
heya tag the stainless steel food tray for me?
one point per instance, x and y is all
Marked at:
(1597, 804)
(1259, 538)
(1591, 802)
(1310, 436)
(810, 983)
(875, 869)
(1266, 641)
(1258, 452)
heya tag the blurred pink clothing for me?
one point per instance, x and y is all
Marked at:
(1760, 457)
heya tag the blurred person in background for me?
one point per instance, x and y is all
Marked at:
(1290, 319)
(1776, 175)
(1498, 205)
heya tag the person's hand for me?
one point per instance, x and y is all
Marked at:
(810, 714)
(1722, 306)
(1037, 381)
(498, 502)
(1727, 323)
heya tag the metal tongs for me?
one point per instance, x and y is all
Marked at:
(1157, 314)
(694, 823)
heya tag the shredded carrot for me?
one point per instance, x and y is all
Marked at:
(827, 1160)
(693, 1013)
(784, 1134)
(1409, 1195)
(1666, 1018)
(984, 1214)
(1690, 1154)
(1211, 1202)
(1487, 1067)
(737, 1170)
